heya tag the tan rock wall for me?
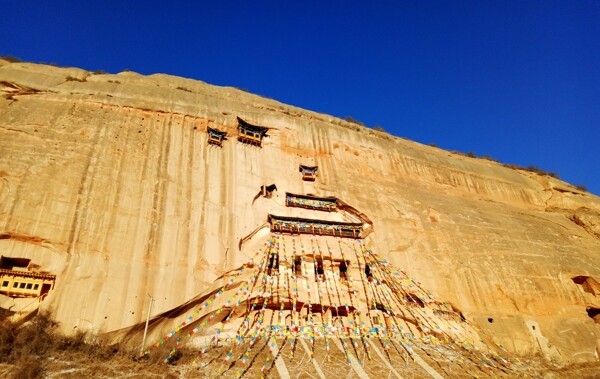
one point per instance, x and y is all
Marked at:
(113, 174)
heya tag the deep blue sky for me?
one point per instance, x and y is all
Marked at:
(518, 81)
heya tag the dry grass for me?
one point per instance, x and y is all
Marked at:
(35, 349)
(25, 347)
(530, 168)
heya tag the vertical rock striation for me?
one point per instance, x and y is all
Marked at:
(108, 182)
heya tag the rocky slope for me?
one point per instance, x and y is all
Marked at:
(108, 182)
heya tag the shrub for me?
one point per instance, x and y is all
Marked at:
(25, 348)
(487, 157)
(27, 367)
(35, 337)
(74, 79)
(11, 58)
(538, 170)
(354, 121)
(470, 154)
(7, 337)
(22, 345)
(532, 168)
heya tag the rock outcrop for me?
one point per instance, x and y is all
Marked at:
(109, 183)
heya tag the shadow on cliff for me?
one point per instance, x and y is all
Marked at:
(161, 324)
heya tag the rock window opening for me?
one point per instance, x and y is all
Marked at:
(5, 283)
(382, 308)
(45, 289)
(9, 263)
(15, 284)
(29, 286)
(594, 314)
(368, 273)
(309, 173)
(21, 285)
(588, 284)
(319, 272)
(35, 287)
(342, 311)
(216, 137)
(297, 266)
(344, 269)
(490, 320)
(273, 263)
(265, 191)
(251, 134)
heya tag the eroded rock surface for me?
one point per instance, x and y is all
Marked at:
(108, 182)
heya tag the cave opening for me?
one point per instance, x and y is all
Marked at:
(594, 314)
(588, 284)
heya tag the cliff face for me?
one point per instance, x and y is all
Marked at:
(108, 182)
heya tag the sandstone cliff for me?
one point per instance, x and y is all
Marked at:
(108, 182)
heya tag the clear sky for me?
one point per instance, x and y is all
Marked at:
(515, 80)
